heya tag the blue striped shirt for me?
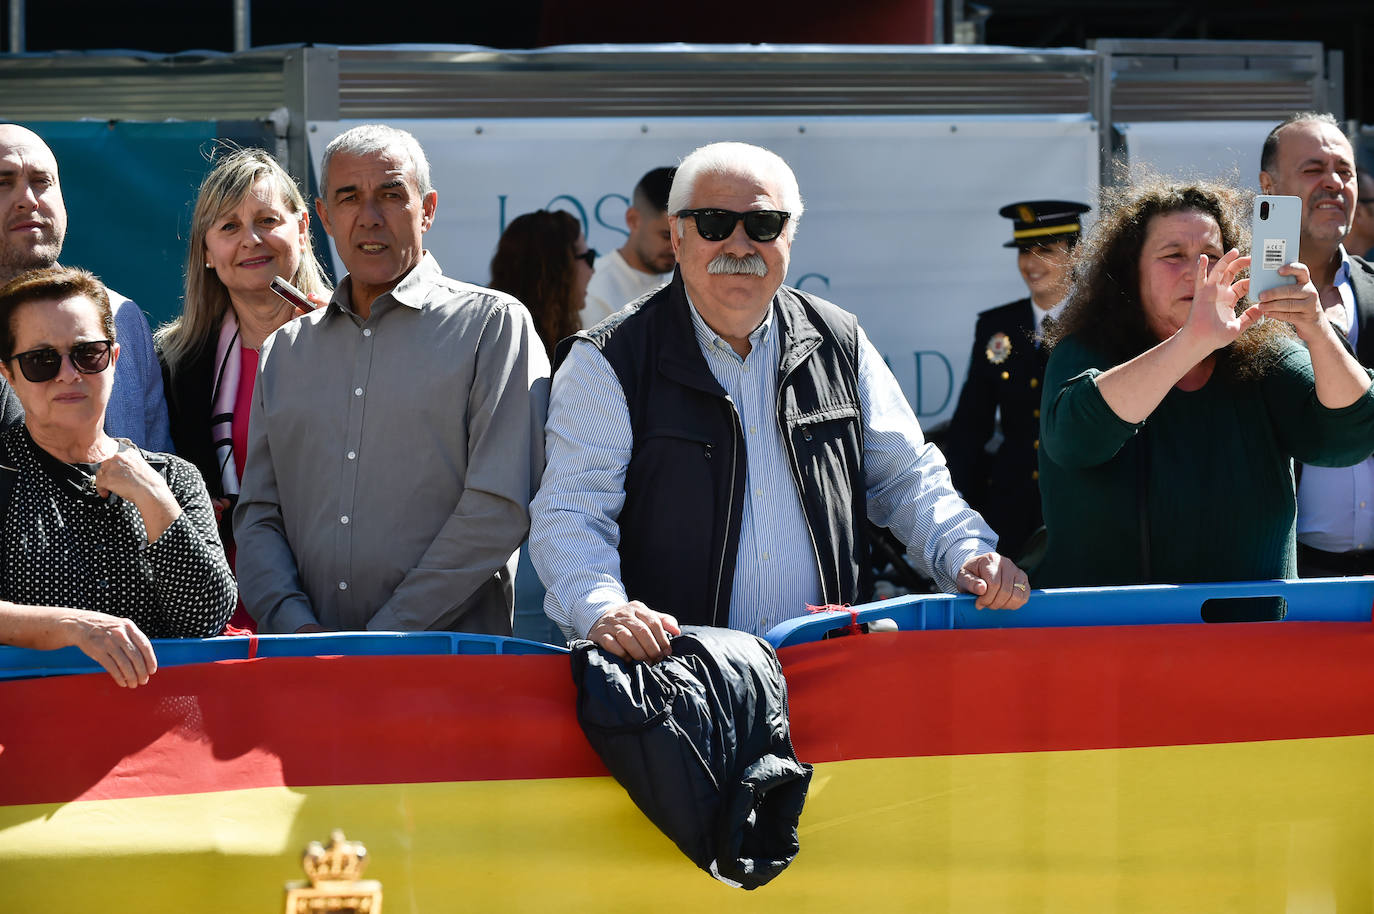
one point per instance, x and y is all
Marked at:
(574, 536)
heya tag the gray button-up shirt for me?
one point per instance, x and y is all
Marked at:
(391, 461)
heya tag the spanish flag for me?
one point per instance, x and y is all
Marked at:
(1129, 769)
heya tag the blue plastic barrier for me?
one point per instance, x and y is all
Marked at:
(20, 663)
(1313, 600)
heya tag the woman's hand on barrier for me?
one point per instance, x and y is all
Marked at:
(633, 631)
(995, 581)
(115, 643)
(127, 475)
(1297, 303)
(1212, 319)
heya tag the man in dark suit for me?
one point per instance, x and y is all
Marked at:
(1004, 374)
(1308, 156)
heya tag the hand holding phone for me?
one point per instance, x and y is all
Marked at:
(295, 296)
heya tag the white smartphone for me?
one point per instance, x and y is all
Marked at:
(1275, 232)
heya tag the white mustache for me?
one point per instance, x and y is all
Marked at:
(749, 264)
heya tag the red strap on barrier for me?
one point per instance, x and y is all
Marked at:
(249, 633)
(852, 628)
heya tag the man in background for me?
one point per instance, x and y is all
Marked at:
(35, 225)
(1361, 238)
(644, 262)
(1307, 156)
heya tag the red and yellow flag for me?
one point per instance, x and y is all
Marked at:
(1153, 768)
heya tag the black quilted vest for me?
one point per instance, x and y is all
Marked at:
(685, 484)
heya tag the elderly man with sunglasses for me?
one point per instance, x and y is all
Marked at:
(715, 450)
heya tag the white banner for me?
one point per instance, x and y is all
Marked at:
(901, 223)
(1227, 151)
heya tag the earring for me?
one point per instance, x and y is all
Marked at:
(209, 265)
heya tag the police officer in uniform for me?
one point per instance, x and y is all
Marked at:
(1004, 376)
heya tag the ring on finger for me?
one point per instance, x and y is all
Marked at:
(1019, 586)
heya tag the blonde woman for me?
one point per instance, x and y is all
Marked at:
(250, 224)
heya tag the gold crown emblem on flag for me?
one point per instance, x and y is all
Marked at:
(334, 885)
(341, 861)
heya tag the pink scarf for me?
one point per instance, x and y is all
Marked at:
(222, 399)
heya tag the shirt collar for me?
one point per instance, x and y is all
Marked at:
(1041, 316)
(1343, 271)
(411, 291)
(708, 339)
(1348, 318)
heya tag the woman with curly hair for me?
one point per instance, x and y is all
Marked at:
(1173, 410)
(543, 260)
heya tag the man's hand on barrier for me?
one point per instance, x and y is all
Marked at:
(995, 581)
(633, 631)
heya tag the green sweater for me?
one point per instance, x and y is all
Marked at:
(1219, 494)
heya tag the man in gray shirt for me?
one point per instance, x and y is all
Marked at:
(396, 434)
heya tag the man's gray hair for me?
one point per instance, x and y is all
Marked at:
(369, 139)
(737, 160)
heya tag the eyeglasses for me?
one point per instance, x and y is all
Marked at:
(719, 224)
(588, 255)
(39, 365)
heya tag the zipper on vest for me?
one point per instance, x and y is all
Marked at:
(735, 432)
(797, 481)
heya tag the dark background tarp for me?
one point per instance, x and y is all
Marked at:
(129, 189)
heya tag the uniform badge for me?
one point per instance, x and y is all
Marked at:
(999, 347)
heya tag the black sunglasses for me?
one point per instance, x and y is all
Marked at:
(588, 255)
(719, 224)
(39, 365)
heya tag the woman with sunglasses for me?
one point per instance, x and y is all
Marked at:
(103, 545)
(543, 260)
(250, 225)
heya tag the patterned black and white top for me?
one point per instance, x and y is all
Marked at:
(63, 545)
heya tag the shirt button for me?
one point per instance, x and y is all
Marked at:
(343, 585)
(765, 556)
(1035, 474)
(758, 492)
(753, 429)
(1035, 382)
(367, 332)
(746, 369)
(1006, 375)
(343, 519)
(352, 455)
(1036, 445)
(1035, 413)
(357, 391)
